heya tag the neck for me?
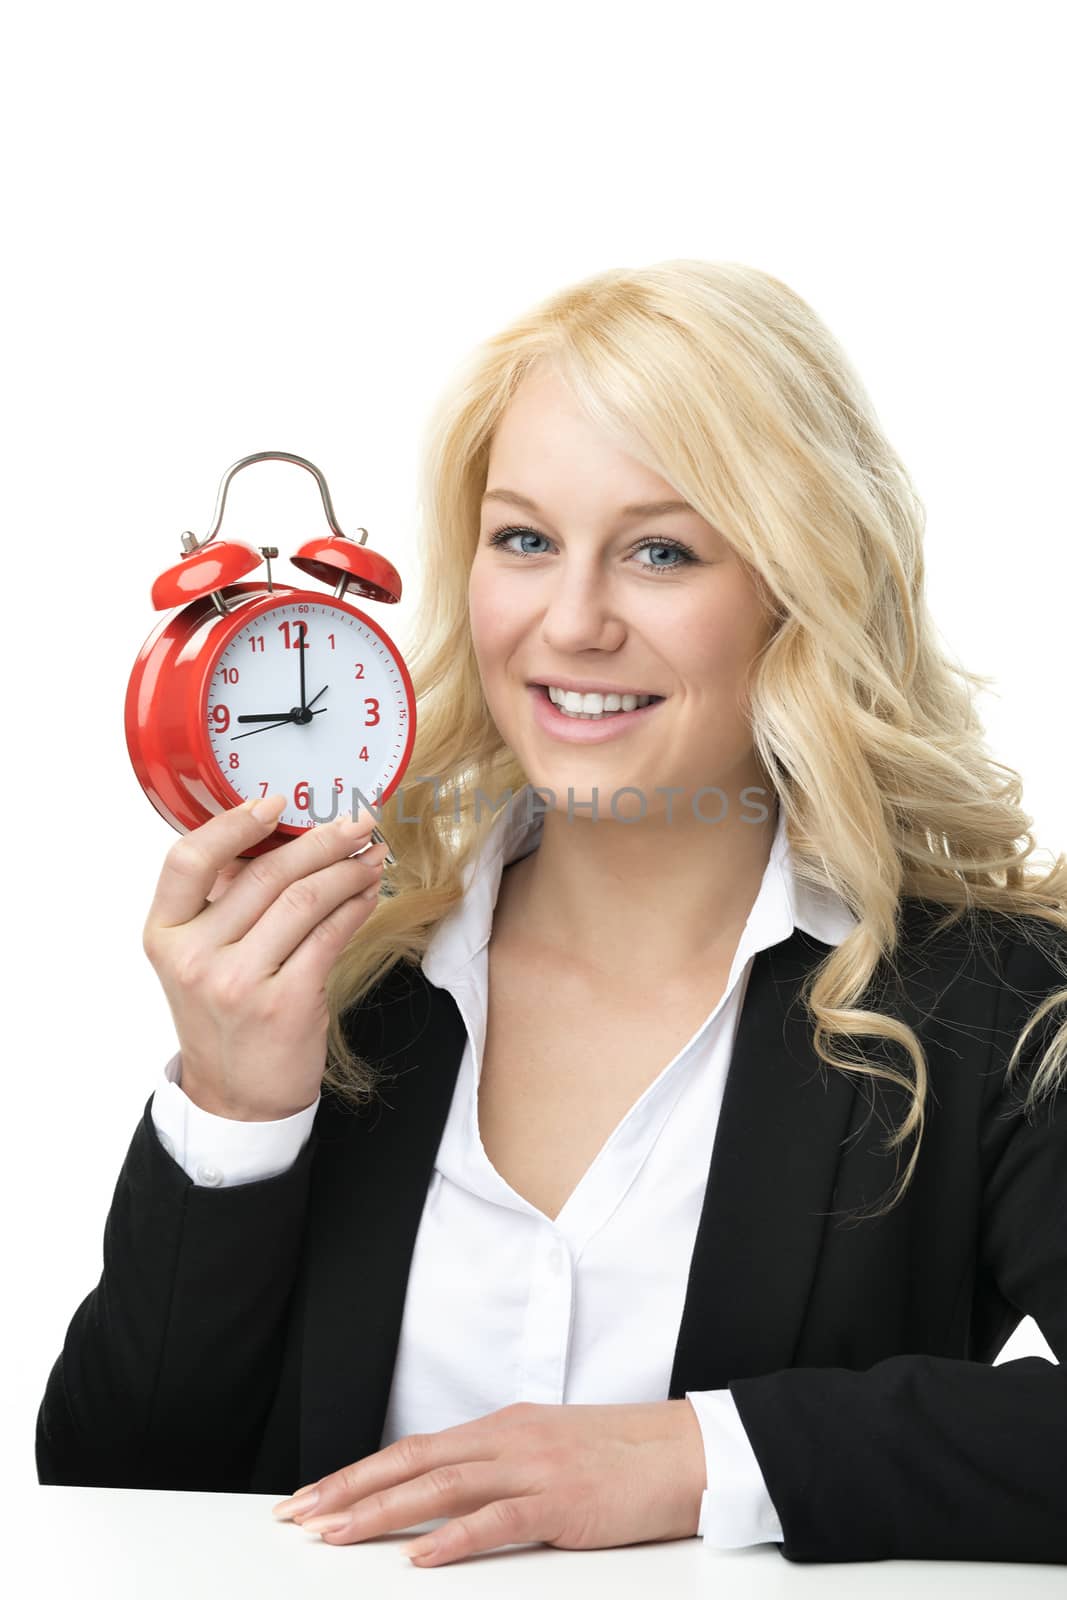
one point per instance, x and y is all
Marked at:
(646, 901)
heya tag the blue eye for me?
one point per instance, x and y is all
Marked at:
(686, 556)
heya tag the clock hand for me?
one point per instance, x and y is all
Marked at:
(280, 724)
(281, 716)
(271, 716)
(302, 647)
(295, 715)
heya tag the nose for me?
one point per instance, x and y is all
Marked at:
(580, 611)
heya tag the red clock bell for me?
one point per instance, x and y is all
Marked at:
(248, 689)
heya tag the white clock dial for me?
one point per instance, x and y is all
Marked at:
(357, 726)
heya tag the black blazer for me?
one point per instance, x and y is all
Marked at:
(243, 1339)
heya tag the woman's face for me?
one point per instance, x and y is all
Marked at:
(586, 602)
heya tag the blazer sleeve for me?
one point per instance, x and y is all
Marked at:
(170, 1365)
(925, 1457)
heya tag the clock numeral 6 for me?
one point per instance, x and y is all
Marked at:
(301, 798)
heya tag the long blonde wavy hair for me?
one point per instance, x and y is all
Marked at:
(725, 382)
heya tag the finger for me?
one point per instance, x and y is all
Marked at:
(445, 1491)
(194, 861)
(268, 876)
(305, 967)
(302, 912)
(406, 1458)
(491, 1527)
(224, 880)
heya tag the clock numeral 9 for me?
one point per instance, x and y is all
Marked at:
(220, 716)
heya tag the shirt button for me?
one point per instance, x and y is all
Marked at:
(211, 1176)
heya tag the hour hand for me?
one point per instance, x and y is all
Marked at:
(285, 719)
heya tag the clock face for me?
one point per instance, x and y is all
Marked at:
(328, 741)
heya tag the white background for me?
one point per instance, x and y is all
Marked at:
(235, 227)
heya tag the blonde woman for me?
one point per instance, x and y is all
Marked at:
(672, 1145)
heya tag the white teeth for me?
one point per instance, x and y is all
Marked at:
(595, 705)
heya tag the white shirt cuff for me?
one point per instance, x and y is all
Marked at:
(219, 1152)
(736, 1508)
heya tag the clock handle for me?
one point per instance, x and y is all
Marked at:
(379, 838)
(189, 540)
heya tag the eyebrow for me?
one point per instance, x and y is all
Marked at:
(649, 508)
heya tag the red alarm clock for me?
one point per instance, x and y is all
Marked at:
(248, 689)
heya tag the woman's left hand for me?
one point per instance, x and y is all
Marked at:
(575, 1476)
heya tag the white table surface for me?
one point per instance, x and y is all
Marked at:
(138, 1544)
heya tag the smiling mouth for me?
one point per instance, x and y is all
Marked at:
(541, 689)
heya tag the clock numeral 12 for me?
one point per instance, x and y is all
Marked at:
(283, 627)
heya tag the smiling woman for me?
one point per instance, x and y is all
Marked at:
(776, 606)
(604, 604)
(589, 1271)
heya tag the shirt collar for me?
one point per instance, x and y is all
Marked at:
(782, 904)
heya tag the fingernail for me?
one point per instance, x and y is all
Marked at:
(269, 809)
(325, 1524)
(306, 1500)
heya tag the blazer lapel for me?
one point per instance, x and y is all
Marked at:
(771, 1177)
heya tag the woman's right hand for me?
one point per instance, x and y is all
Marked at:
(243, 949)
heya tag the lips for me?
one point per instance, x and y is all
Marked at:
(585, 730)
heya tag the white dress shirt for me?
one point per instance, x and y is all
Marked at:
(504, 1304)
